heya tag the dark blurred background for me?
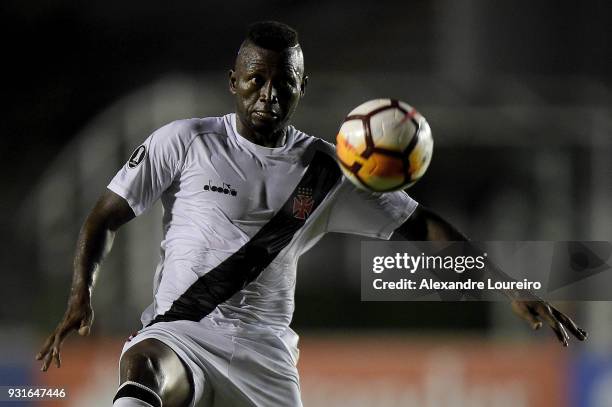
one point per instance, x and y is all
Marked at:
(518, 95)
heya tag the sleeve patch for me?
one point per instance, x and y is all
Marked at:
(137, 157)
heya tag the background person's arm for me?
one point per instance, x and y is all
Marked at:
(94, 242)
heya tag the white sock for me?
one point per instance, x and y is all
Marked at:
(128, 393)
(130, 402)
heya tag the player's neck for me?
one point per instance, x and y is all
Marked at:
(272, 140)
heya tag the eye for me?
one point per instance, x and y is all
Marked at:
(286, 83)
(257, 80)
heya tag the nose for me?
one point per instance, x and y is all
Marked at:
(268, 93)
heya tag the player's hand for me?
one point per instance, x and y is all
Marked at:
(536, 311)
(78, 317)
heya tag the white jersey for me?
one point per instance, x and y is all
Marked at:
(238, 215)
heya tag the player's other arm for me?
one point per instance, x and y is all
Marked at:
(425, 224)
(94, 242)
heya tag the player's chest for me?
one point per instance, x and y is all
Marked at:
(242, 187)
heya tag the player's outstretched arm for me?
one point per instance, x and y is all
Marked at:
(424, 224)
(94, 242)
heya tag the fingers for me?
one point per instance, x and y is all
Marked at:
(558, 322)
(56, 357)
(45, 348)
(53, 355)
(57, 344)
(561, 333)
(85, 327)
(46, 361)
(46, 352)
(533, 318)
(523, 311)
(52, 348)
(76, 318)
(579, 333)
(545, 311)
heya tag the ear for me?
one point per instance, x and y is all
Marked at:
(303, 85)
(232, 81)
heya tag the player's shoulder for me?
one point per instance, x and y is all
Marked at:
(315, 143)
(326, 147)
(186, 130)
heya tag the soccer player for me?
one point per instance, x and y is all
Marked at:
(244, 195)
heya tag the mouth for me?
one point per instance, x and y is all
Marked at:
(267, 115)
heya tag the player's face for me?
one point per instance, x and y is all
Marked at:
(268, 86)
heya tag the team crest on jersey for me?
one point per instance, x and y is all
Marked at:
(137, 157)
(303, 203)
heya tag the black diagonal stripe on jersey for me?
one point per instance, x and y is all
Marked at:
(242, 267)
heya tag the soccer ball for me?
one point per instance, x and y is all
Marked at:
(384, 145)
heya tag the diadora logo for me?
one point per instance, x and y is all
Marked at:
(303, 203)
(223, 189)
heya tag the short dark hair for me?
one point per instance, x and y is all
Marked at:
(272, 35)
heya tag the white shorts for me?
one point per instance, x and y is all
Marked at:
(230, 370)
